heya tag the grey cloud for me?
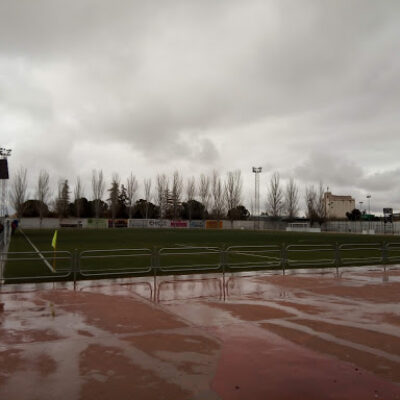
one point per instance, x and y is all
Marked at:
(330, 169)
(382, 181)
(203, 82)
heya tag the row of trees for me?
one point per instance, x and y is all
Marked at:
(285, 201)
(210, 196)
(167, 197)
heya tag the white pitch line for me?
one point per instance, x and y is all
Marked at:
(39, 253)
(256, 255)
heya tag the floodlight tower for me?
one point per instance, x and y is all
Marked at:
(369, 212)
(4, 154)
(257, 171)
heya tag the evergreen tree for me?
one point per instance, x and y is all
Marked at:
(62, 202)
(114, 197)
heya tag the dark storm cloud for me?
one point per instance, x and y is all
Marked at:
(309, 86)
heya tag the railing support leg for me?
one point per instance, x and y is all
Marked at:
(384, 253)
(75, 265)
(223, 258)
(337, 258)
(283, 258)
(155, 261)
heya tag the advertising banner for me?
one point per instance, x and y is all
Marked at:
(213, 224)
(137, 223)
(158, 223)
(196, 224)
(97, 223)
(118, 223)
(179, 224)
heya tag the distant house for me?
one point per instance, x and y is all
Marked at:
(338, 206)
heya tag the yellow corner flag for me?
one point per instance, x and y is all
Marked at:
(54, 241)
(54, 246)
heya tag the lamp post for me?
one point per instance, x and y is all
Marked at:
(257, 172)
(369, 212)
(4, 154)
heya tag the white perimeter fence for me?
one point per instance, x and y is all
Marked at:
(378, 227)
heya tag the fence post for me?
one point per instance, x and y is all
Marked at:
(75, 265)
(384, 253)
(155, 263)
(283, 257)
(337, 256)
(223, 257)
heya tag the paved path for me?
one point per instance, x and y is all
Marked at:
(204, 337)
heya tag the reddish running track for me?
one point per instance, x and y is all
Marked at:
(305, 336)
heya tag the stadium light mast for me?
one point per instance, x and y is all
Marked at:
(361, 223)
(4, 154)
(257, 171)
(369, 212)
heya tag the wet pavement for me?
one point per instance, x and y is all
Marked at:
(304, 335)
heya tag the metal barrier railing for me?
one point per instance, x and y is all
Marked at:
(127, 267)
(239, 257)
(302, 251)
(36, 266)
(374, 253)
(392, 248)
(211, 255)
(51, 264)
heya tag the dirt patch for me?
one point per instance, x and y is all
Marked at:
(378, 340)
(393, 319)
(108, 374)
(378, 365)
(307, 308)
(378, 293)
(116, 314)
(16, 336)
(45, 365)
(10, 362)
(174, 343)
(252, 312)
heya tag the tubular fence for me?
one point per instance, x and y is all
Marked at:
(91, 264)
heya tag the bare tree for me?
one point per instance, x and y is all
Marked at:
(233, 193)
(315, 204)
(204, 192)
(311, 201)
(321, 206)
(162, 193)
(43, 193)
(131, 190)
(190, 194)
(78, 194)
(98, 188)
(292, 199)
(19, 191)
(233, 189)
(275, 196)
(176, 193)
(147, 194)
(217, 195)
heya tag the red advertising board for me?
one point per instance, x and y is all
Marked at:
(179, 224)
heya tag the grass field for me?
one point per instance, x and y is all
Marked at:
(170, 250)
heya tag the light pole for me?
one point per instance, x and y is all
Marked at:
(361, 203)
(257, 172)
(4, 154)
(369, 212)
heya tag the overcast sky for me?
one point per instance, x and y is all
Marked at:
(307, 88)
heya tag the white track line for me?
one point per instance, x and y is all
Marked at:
(39, 253)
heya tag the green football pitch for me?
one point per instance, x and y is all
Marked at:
(118, 252)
